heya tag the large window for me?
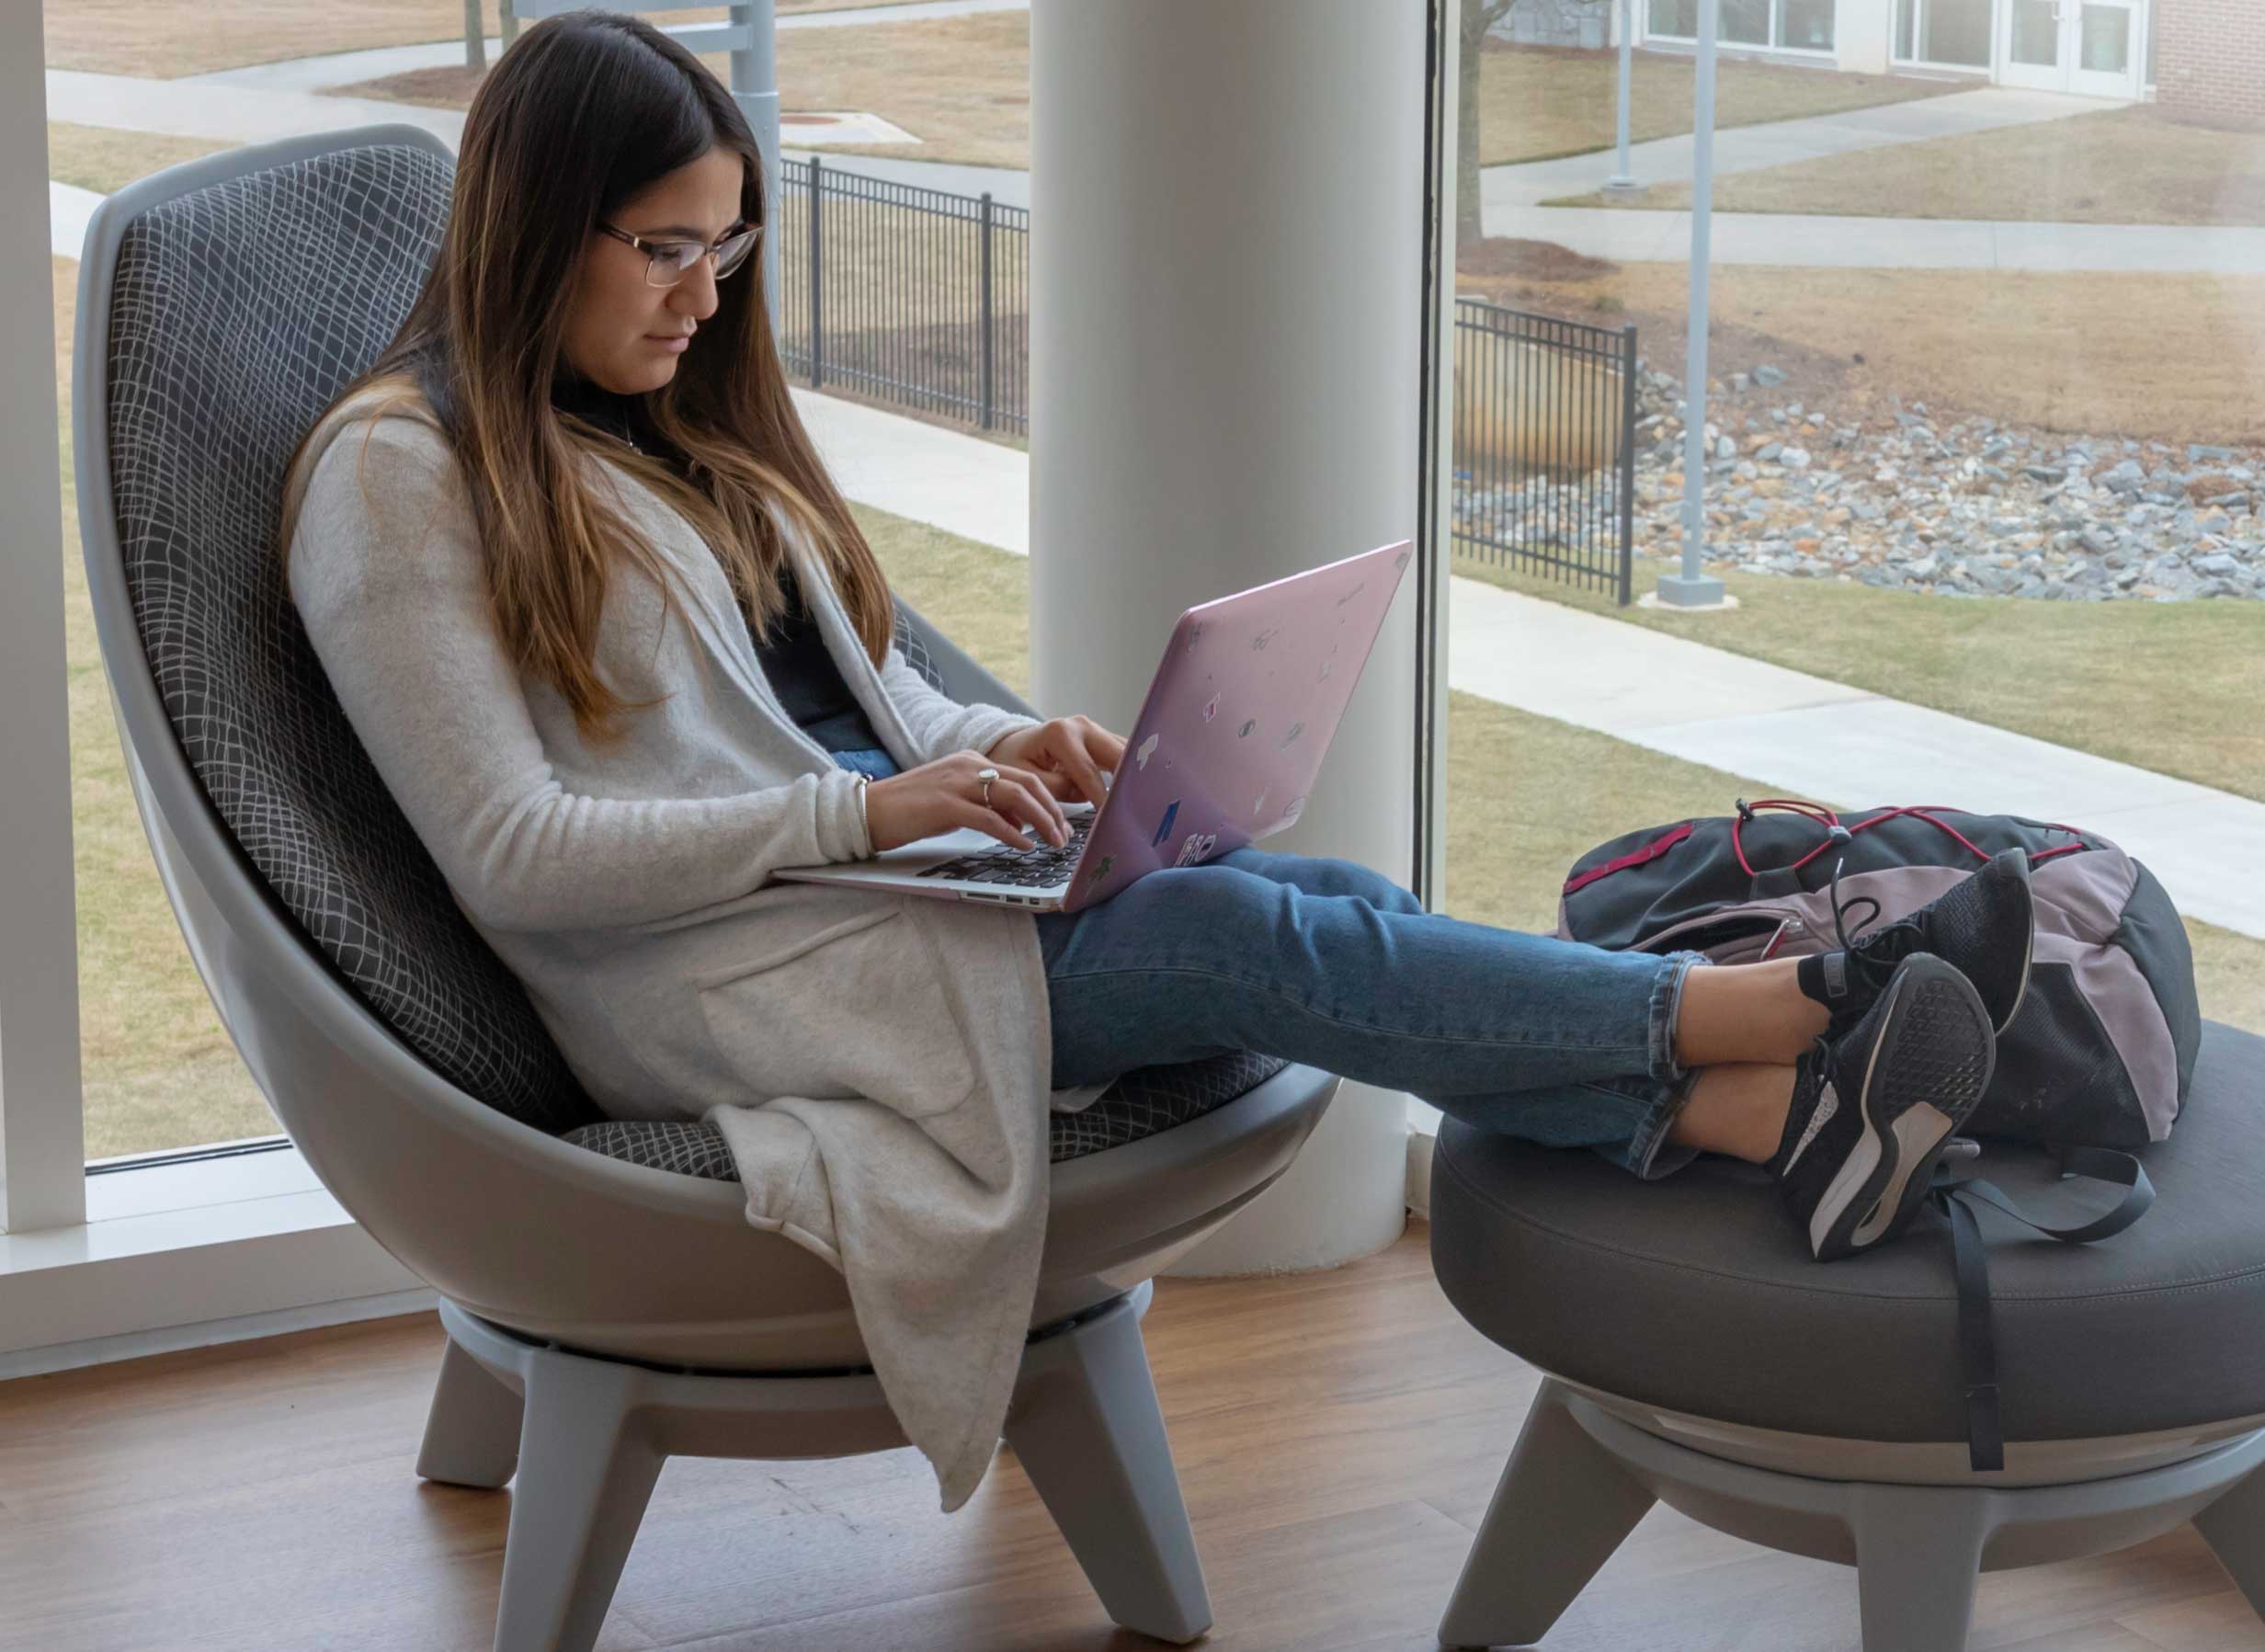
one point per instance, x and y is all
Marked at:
(923, 302)
(2001, 496)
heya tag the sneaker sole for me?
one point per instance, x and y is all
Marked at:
(1907, 1114)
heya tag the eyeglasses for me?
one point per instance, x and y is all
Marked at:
(668, 262)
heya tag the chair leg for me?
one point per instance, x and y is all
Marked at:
(587, 1472)
(2233, 1526)
(1086, 1427)
(1919, 1551)
(471, 1434)
(1561, 1507)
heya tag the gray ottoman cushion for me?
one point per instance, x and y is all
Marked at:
(1696, 1293)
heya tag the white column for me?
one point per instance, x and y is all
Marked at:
(1863, 30)
(42, 1157)
(1227, 201)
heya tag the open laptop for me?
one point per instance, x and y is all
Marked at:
(1238, 720)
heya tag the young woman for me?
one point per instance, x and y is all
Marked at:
(620, 649)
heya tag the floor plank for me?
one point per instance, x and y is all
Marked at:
(1339, 1436)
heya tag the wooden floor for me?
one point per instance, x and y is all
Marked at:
(1337, 1436)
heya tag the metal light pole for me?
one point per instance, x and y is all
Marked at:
(754, 86)
(1622, 177)
(1693, 588)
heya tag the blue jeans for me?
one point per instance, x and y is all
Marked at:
(1326, 962)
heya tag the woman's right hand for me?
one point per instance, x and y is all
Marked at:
(945, 795)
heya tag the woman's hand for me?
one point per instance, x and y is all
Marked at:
(945, 795)
(1068, 754)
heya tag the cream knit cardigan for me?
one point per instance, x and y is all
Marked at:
(879, 1063)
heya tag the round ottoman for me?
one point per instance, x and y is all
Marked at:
(1696, 1355)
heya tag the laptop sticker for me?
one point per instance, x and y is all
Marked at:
(1264, 637)
(1297, 805)
(1295, 730)
(1147, 750)
(1248, 724)
(1400, 560)
(1356, 591)
(1211, 710)
(1259, 807)
(1325, 671)
(1165, 830)
(1195, 847)
(1101, 871)
(1195, 633)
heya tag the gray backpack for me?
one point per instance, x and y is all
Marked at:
(2102, 1049)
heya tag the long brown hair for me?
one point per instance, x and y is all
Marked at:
(584, 112)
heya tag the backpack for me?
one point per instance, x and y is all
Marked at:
(2098, 1057)
(2102, 1051)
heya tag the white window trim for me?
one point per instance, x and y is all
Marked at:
(188, 1255)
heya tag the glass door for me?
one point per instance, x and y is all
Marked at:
(2085, 46)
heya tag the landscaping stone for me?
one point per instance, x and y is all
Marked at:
(1918, 500)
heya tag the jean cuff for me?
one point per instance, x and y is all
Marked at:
(1651, 1156)
(1666, 1013)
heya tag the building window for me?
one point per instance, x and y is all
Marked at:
(1769, 25)
(1952, 33)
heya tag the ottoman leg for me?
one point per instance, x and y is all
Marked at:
(1919, 1551)
(2233, 1526)
(1561, 1509)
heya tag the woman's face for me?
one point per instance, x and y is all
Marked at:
(624, 334)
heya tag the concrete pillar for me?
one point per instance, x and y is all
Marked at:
(1862, 32)
(1226, 202)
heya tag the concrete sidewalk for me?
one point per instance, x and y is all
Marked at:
(1802, 736)
(1511, 200)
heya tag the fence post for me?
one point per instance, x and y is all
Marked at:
(817, 265)
(1627, 466)
(988, 395)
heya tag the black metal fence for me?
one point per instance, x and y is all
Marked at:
(1545, 445)
(904, 294)
(920, 298)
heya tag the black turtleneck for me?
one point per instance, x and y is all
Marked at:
(792, 653)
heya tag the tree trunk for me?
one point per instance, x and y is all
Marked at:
(1477, 17)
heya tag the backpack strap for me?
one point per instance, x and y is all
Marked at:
(1957, 1199)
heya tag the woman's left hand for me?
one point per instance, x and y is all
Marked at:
(1068, 752)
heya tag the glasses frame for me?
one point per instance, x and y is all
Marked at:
(652, 250)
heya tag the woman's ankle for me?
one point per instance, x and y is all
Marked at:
(1736, 1110)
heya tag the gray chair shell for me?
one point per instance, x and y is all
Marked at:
(222, 305)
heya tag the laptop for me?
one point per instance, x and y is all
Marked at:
(1238, 718)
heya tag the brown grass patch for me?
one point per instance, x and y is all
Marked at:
(2164, 358)
(1537, 103)
(2130, 166)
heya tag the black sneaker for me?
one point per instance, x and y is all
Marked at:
(1984, 927)
(1874, 1110)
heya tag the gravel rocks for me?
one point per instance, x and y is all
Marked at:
(1921, 501)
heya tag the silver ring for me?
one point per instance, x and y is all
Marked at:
(986, 776)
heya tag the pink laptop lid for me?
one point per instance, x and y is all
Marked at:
(1238, 718)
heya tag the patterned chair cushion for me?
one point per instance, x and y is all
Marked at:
(237, 314)
(1143, 1103)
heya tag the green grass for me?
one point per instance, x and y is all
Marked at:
(2177, 688)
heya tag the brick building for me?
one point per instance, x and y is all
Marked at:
(2210, 60)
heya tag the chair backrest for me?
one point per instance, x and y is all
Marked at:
(243, 294)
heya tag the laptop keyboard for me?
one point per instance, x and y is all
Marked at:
(1038, 866)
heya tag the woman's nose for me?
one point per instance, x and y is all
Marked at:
(695, 295)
